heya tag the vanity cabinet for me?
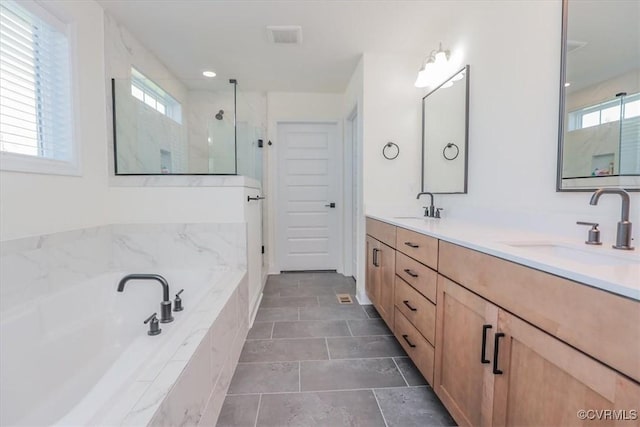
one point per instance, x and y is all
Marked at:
(503, 344)
(465, 323)
(380, 271)
(517, 346)
(545, 382)
(494, 369)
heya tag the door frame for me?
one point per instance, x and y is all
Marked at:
(351, 190)
(274, 186)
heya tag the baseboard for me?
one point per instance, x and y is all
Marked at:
(254, 311)
(362, 298)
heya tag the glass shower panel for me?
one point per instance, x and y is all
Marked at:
(251, 129)
(630, 135)
(173, 127)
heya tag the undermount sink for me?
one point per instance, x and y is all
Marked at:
(589, 256)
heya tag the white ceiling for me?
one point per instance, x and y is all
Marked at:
(230, 37)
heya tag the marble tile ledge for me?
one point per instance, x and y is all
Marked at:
(602, 267)
(183, 181)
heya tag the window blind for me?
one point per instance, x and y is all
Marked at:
(35, 86)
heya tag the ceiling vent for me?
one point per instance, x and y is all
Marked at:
(284, 34)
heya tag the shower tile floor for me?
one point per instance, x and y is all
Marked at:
(310, 361)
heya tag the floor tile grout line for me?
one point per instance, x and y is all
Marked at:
(330, 391)
(326, 342)
(343, 359)
(258, 411)
(273, 327)
(400, 370)
(349, 328)
(299, 376)
(379, 407)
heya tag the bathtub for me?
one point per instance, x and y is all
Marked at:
(82, 356)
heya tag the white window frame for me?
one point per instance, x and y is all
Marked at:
(172, 107)
(575, 117)
(14, 162)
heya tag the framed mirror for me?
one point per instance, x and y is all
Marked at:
(599, 123)
(445, 136)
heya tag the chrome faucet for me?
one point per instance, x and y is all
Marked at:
(165, 305)
(623, 235)
(429, 211)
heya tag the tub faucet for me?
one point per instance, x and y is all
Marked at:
(429, 211)
(623, 235)
(165, 305)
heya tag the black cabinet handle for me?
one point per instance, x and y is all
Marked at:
(375, 257)
(408, 342)
(407, 304)
(411, 273)
(496, 346)
(483, 359)
(412, 245)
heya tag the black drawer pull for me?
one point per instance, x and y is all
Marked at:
(407, 304)
(483, 359)
(496, 346)
(408, 342)
(375, 257)
(412, 245)
(411, 273)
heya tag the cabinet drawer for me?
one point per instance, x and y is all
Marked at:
(418, 348)
(421, 277)
(386, 233)
(417, 309)
(418, 246)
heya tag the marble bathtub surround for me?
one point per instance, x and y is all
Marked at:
(34, 267)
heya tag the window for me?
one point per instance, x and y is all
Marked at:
(36, 126)
(605, 112)
(145, 90)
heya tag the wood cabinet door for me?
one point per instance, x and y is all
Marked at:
(386, 279)
(372, 276)
(545, 382)
(461, 380)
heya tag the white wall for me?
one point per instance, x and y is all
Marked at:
(514, 52)
(37, 204)
(353, 101)
(391, 113)
(293, 107)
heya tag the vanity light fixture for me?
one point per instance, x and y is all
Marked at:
(435, 68)
(209, 74)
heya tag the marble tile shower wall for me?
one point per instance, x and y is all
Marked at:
(33, 267)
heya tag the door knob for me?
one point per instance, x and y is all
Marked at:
(331, 205)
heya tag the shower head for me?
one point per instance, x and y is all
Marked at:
(220, 114)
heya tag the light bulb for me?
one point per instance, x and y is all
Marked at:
(208, 74)
(441, 58)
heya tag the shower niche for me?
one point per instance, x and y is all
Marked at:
(175, 127)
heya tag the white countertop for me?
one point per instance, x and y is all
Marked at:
(602, 267)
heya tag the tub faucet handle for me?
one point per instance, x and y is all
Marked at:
(177, 305)
(154, 326)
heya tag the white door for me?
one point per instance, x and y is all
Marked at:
(308, 177)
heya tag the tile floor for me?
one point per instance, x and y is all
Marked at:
(309, 361)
